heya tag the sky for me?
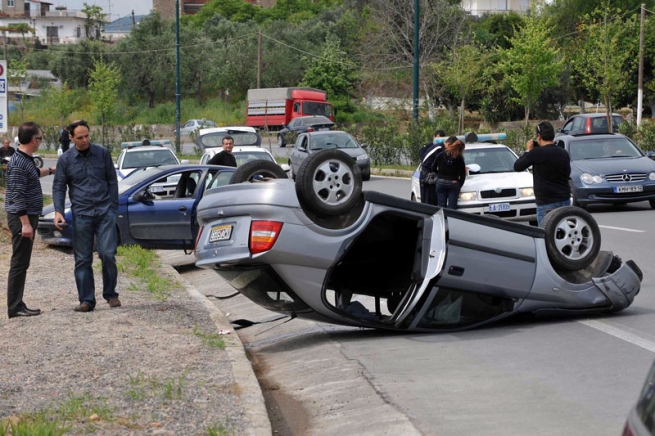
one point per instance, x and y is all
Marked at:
(119, 8)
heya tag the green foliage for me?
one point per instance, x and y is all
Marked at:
(103, 90)
(143, 265)
(516, 139)
(643, 135)
(50, 137)
(497, 30)
(71, 63)
(95, 19)
(59, 103)
(211, 339)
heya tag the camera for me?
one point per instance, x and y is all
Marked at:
(535, 143)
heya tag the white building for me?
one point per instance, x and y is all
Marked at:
(481, 7)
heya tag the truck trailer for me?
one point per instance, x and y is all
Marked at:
(276, 107)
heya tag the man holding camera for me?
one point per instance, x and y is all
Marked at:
(551, 170)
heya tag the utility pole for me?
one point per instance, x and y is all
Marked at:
(416, 65)
(178, 146)
(640, 85)
(259, 61)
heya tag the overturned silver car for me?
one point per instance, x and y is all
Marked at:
(321, 248)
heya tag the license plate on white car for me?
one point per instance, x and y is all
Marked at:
(628, 188)
(499, 207)
(220, 233)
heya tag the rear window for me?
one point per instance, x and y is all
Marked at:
(244, 156)
(316, 120)
(212, 140)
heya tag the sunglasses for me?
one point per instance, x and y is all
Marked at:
(39, 138)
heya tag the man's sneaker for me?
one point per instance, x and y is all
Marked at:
(84, 307)
(114, 302)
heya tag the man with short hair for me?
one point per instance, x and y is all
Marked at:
(23, 203)
(88, 173)
(551, 170)
(428, 153)
(7, 150)
(225, 157)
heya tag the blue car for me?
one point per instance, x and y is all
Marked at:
(608, 168)
(156, 207)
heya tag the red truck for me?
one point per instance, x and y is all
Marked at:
(275, 107)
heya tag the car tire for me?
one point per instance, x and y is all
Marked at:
(280, 141)
(329, 183)
(257, 170)
(366, 174)
(652, 204)
(572, 238)
(574, 197)
(38, 162)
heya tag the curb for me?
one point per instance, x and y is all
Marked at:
(254, 407)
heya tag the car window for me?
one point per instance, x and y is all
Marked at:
(215, 139)
(294, 123)
(136, 177)
(578, 124)
(303, 143)
(491, 160)
(322, 142)
(204, 159)
(567, 127)
(244, 156)
(119, 161)
(219, 179)
(164, 188)
(148, 158)
(312, 108)
(602, 148)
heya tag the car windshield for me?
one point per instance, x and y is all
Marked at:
(245, 156)
(322, 142)
(311, 108)
(602, 148)
(149, 158)
(137, 177)
(491, 160)
(215, 139)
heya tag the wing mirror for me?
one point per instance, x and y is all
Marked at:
(364, 145)
(651, 154)
(143, 196)
(473, 168)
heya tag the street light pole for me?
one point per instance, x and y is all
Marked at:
(178, 146)
(416, 49)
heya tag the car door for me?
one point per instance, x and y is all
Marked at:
(299, 153)
(167, 223)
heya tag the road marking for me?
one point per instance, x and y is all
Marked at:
(623, 229)
(621, 334)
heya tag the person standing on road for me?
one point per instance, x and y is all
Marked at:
(551, 170)
(427, 154)
(451, 173)
(225, 157)
(88, 173)
(64, 140)
(23, 203)
(7, 150)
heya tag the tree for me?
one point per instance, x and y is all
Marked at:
(103, 90)
(21, 28)
(532, 62)
(60, 102)
(71, 63)
(95, 19)
(604, 63)
(17, 73)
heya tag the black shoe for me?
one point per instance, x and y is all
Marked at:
(24, 313)
(26, 309)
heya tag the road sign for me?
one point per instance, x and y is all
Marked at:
(4, 112)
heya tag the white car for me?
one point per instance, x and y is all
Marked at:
(136, 156)
(213, 138)
(243, 155)
(195, 125)
(492, 186)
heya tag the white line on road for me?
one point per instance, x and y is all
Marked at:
(623, 229)
(621, 334)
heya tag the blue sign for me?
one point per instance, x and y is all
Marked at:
(3, 86)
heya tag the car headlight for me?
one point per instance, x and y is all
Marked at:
(526, 192)
(362, 157)
(590, 179)
(467, 196)
(651, 176)
(51, 215)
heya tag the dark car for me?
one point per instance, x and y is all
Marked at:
(608, 168)
(314, 123)
(149, 215)
(641, 419)
(584, 124)
(312, 142)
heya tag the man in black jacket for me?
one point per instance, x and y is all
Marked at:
(551, 170)
(427, 155)
(225, 157)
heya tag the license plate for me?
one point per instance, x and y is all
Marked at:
(499, 207)
(323, 128)
(220, 233)
(628, 188)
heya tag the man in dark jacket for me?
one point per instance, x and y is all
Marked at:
(225, 157)
(6, 150)
(64, 140)
(551, 170)
(427, 154)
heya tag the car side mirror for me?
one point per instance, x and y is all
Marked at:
(651, 154)
(115, 166)
(474, 168)
(364, 145)
(143, 196)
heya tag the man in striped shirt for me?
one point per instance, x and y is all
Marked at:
(23, 203)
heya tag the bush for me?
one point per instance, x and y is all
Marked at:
(644, 135)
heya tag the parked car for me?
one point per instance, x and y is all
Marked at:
(135, 155)
(641, 419)
(492, 187)
(312, 142)
(149, 215)
(321, 248)
(608, 168)
(314, 123)
(195, 125)
(243, 155)
(213, 138)
(584, 124)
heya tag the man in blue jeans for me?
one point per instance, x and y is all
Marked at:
(551, 170)
(88, 173)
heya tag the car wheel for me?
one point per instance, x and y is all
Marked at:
(574, 197)
(652, 204)
(38, 162)
(366, 174)
(572, 237)
(280, 141)
(329, 183)
(257, 170)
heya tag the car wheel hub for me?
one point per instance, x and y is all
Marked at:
(574, 238)
(333, 182)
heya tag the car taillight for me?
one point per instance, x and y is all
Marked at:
(627, 430)
(587, 128)
(311, 129)
(195, 248)
(263, 235)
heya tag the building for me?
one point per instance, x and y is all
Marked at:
(481, 7)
